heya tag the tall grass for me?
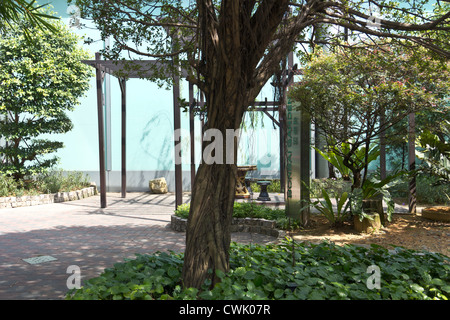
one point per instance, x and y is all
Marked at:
(51, 182)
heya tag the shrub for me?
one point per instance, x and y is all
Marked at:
(250, 210)
(286, 271)
(336, 216)
(273, 187)
(52, 182)
(8, 186)
(334, 187)
(58, 181)
(428, 192)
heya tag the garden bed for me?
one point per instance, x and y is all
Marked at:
(294, 271)
(406, 230)
(252, 225)
(26, 201)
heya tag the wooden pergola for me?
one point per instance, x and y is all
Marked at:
(128, 69)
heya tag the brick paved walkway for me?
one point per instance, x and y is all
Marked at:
(81, 233)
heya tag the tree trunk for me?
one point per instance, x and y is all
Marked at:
(356, 179)
(233, 42)
(208, 234)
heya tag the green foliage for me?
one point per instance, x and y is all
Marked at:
(182, 210)
(373, 188)
(8, 186)
(326, 208)
(298, 271)
(51, 182)
(336, 160)
(347, 91)
(60, 181)
(430, 190)
(334, 187)
(358, 158)
(13, 11)
(250, 210)
(273, 187)
(39, 85)
(436, 151)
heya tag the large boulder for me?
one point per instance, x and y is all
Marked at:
(158, 185)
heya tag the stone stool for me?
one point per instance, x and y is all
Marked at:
(263, 195)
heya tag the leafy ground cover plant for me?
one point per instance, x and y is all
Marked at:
(285, 271)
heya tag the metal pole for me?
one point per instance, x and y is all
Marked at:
(192, 132)
(412, 163)
(177, 126)
(101, 132)
(123, 83)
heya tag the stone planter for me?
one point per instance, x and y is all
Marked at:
(252, 225)
(27, 201)
(367, 225)
(437, 213)
(375, 206)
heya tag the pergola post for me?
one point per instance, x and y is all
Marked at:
(177, 127)
(122, 83)
(140, 69)
(101, 131)
(192, 131)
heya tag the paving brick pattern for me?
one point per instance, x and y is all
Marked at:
(81, 233)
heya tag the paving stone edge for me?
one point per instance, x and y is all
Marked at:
(27, 201)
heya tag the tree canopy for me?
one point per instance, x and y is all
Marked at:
(354, 96)
(39, 84)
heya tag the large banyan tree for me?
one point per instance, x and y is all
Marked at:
(231, 49)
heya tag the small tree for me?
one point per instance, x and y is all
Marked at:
(39, 83)
(347, 93)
